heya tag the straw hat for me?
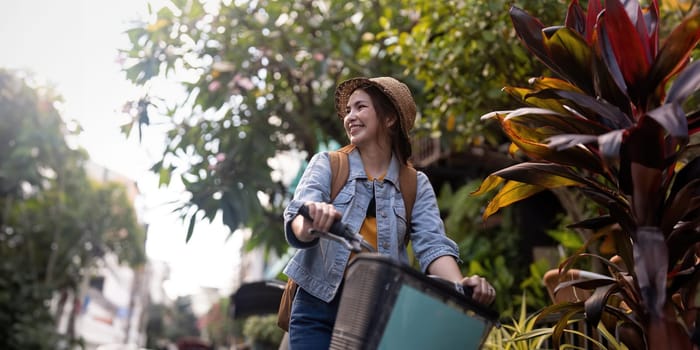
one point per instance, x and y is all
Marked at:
(397, 92)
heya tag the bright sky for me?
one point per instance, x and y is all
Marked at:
(72, 45)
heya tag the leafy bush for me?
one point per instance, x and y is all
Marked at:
(262, 331)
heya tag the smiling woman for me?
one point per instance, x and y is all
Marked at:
(377, 115)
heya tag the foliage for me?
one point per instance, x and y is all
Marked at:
(219, 326)
(26, 321)
(529, 331)
(258, 80)
(615, 123)
(463, 52)
(167, 323)
(491, 251)
(183, 322)
(508, 335)
(55, 223)
(263, 330)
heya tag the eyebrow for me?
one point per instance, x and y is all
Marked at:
(361, 100)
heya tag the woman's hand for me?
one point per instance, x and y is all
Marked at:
(483, 291)
(323, 215)
(446, 267)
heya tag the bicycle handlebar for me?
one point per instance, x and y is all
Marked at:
(337, 228)
(460, 288)
(341, 233)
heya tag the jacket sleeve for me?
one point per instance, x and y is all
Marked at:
(313, 186)
(427, 228)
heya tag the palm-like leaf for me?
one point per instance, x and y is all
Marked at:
(613, 124)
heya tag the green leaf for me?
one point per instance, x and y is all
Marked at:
(532, 141)
(594, 224)
(230, 216)
(190, 227)
(530, 31)
(569, 316)
(510, 193)
(595, 304)
(674, 53)
(490, 183)
(545, 175)
(616, 204)
(164, 176)
(573, 55)
(594, 109)
(126, 129)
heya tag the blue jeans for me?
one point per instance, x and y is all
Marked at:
(311, 322)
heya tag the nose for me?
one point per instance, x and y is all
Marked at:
(350, 115)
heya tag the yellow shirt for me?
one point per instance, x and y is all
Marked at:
(368, 231)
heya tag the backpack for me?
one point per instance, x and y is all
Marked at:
(340, 170)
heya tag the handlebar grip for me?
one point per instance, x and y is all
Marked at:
(467, 291)
(337, 228)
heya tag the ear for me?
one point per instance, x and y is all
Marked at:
(391, 121)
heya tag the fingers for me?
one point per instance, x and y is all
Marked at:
(323, 215)
(483, 291)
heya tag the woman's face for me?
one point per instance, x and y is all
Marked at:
(362, 124)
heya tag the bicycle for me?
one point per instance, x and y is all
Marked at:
(387, 304)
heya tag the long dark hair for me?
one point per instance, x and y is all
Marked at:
(400, 142)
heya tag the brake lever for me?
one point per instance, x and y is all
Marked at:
(339, 232)
(352, 245)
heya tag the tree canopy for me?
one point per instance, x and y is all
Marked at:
(258, 80)
(55, 222)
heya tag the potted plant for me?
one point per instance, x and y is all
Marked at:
(262, 332)
(616, 123)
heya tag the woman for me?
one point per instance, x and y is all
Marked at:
(378, 115)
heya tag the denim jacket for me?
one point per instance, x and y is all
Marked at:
(319, 266)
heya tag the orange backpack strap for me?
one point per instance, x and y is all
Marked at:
(408, 184)
(340, 169)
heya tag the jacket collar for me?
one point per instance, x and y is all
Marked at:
(357, 170)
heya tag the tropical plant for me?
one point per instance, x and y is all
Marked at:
(529, 331)
(492, 251)
(506, 336)
(616, 123)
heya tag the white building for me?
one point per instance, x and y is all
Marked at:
(110, 306)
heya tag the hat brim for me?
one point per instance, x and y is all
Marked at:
(396, 91)
(345, 89)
